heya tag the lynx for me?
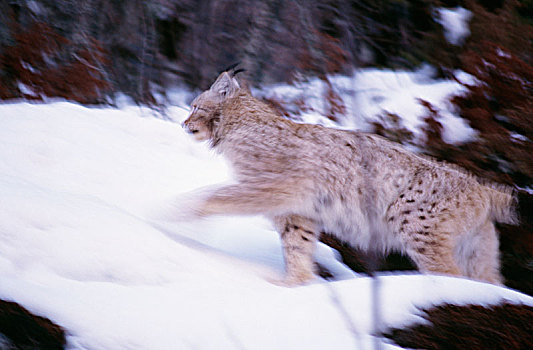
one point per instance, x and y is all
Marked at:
(369, 192)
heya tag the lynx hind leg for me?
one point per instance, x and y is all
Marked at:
(433, 255)
(480, 254)
(428, 241)
(299, 236)
(447, 247)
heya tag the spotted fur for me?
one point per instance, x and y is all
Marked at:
(368, 191)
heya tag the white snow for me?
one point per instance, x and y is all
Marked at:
(455, 23)
(78, 244)
(371, 93)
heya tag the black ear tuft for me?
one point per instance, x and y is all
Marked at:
(238, 71)
(230, 67)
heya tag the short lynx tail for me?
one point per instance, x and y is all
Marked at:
(504, 204)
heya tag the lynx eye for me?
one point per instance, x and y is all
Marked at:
(193, 109)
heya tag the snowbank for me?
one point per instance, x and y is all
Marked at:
(372, 93)
(455, 24)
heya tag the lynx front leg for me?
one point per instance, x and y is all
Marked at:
(299, 236)
(243, 199)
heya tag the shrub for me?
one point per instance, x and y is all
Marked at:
(22, 330)
(472, 327)
(42, 63)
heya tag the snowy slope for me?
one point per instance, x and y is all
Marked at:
(78, 188)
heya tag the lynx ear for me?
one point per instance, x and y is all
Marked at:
(225, 85)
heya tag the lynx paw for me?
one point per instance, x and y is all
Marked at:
(182, 208)
(292, 280)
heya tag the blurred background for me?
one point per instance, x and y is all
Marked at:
(142, 47)
(95, 51)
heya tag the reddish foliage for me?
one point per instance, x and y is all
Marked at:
(500, 107)
(501, 27)
(326, 56)
(389, 126)
(24, 61)
(472, 327)
(335, 107)
(432, 127)
(47, 64)
(27, 331)
(335, 57)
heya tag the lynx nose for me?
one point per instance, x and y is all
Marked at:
(188, 130)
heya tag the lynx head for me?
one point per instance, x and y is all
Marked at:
(204, 117)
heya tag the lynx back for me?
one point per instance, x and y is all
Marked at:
(366, 190)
